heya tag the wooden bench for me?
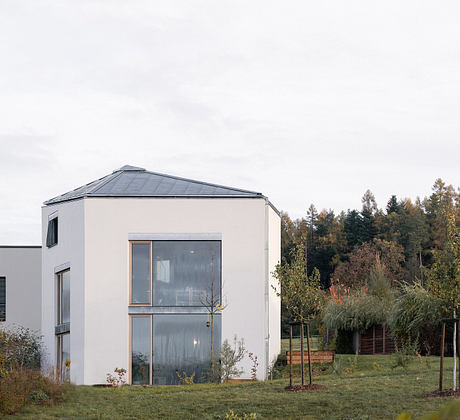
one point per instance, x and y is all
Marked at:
(317, 356)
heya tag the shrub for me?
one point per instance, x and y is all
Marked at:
(20, 348)
(186, 379)
(344, 342)
(276, 366)
(404, 353)
(39, 397)
(255, 364)
(118, 379)
(416, 315)
(20, 387)
(356, 312)
(230, 357)
(352, 364)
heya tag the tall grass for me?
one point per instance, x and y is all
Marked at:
(21, 381)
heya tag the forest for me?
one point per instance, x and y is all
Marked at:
(401, 240)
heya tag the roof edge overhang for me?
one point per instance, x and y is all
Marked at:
(20, 246)
(142, 196)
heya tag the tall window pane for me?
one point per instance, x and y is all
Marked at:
(186, 272)
(64, 357)
(140, 273)
(182, 343)
(140, 350)
(65, 297)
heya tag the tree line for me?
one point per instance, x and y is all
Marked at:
(402, 239)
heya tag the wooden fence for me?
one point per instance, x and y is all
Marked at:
(376, 340)
(318, 356)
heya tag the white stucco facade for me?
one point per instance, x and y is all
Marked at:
(21, 268)
(93, 242)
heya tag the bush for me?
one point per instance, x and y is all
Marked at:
(344, 342)
(416, 315)
(230, 357)
(21, 387)
(20, 348)
(356, 312)
(404, 353)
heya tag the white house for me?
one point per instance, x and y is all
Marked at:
(128, 261)
(20, 287)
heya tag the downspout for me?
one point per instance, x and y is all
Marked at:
(267, 291)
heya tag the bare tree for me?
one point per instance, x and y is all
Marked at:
(211, 299)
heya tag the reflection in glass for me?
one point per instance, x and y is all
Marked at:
(140, 350)
(140, 273)
(64, 357)
(65, 297)
(184, 271)
(182, 343)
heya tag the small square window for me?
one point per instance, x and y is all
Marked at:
(52, 235)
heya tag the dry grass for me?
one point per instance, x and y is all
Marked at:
(21, 387)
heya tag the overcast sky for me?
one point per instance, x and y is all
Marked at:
(307, 102)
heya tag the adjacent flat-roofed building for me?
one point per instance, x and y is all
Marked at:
(20, 287)
(131, 263)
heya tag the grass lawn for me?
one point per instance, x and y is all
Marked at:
(314, 344)
(370, 392)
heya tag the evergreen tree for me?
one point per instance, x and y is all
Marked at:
(392, 205)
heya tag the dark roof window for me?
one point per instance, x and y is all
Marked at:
(52, 235)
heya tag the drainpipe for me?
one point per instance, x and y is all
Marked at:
(267, 292)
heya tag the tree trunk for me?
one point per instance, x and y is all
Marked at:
(213, 363)
(309, 353)
(301, 356)
(290, 355)
(455, 355)
(441, 363)
(420, 266)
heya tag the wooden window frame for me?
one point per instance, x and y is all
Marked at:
(130, 370)
(59, 296)
(131, 303)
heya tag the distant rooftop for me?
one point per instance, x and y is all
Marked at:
(131, 181)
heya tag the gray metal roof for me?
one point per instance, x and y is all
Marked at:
(131, 181)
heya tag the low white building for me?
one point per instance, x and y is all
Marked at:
(128, 261)
(20, 287)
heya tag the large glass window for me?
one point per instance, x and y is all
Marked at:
(2, 298)
(184, 272)
(182, 345)
(140, 350)
(140, 272)
(167, 342)
(63, 298)
(63, 325)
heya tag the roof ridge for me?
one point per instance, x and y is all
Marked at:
(109, 177)
(78, 188)
(204, 183)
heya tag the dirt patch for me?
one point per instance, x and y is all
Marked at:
(300, 388)
(443, 393)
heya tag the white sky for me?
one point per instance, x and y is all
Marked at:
(304, 101)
